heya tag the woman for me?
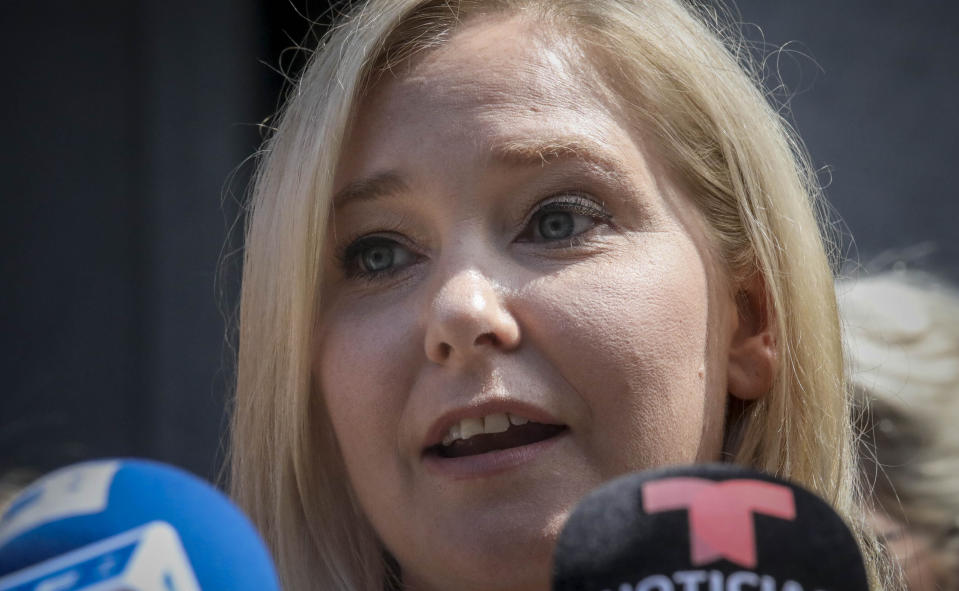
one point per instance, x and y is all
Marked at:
(502, 251)
(901, 330)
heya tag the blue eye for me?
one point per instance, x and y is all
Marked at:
(375, 256)
(563, 220)
(556, 225)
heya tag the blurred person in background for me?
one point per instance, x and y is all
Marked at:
(901, 330)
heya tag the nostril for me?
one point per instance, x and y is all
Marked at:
(445, 350)
(487, 338)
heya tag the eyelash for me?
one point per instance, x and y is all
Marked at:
(570, 202)
(574, 203)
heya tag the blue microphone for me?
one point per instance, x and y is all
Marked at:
(123, 524)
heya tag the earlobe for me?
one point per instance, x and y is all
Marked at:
(753, 355)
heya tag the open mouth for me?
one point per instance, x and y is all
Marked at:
(472, 437)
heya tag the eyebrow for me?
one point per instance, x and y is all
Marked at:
(517, 153)
(540, 152)
(382, 184)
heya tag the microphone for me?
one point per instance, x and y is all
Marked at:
(129, 525)
(712, 527)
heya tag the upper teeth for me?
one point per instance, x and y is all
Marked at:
(494, 423)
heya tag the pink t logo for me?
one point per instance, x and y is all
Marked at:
(720, 513)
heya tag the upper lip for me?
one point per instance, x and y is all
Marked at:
(441, 426)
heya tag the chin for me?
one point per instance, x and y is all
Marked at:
(506, 553)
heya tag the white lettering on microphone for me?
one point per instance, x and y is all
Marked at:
(690, 579)
(714, 580)
(655, 583)
(736, 580)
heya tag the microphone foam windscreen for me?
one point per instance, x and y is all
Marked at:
(90, 505)
(706, 528)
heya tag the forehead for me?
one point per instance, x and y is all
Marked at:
(499, 77)
(508, 51)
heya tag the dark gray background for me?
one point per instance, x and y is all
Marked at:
(124, 120)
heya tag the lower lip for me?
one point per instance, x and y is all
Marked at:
(490, 463)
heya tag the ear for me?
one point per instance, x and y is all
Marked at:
(753, 355)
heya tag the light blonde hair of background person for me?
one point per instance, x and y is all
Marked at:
(680, 74)
(901, 330)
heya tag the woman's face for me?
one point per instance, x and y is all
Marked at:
(913, 550)
(518, 305)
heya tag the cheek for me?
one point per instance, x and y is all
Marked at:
(358, 368)
(631, 338)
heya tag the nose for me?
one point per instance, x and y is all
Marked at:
(468, 318)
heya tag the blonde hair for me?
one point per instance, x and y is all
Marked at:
(702, 104)
(902, 336)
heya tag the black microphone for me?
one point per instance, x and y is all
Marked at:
(711, 527)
